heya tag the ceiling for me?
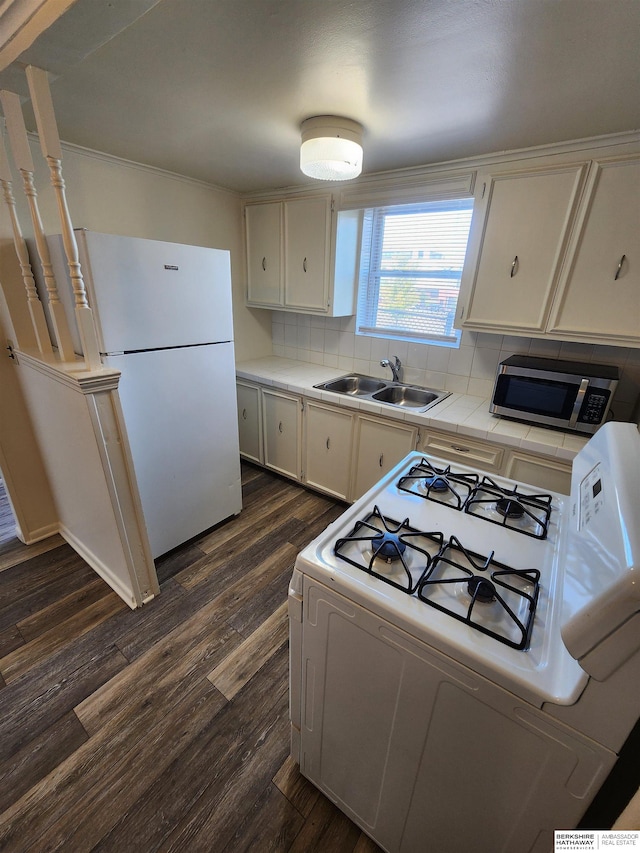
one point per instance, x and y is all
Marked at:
(217, 89)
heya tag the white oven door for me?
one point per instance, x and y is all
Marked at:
(423, 753)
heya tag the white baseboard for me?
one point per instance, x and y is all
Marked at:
(37, 535)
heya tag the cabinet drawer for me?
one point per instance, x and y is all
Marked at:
(464, 450)
(547, 474)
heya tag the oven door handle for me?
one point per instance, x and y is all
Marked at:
(582, 390)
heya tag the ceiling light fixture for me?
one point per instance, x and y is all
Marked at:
(331, 148)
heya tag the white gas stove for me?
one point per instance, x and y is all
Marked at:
(450, 607)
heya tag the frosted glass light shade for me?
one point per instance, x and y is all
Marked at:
(331, 148)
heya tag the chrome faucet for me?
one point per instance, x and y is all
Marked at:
(395, 365)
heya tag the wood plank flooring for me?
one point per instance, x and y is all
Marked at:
(164, 728)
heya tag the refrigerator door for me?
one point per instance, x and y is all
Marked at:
(180, 411)
(148, 294)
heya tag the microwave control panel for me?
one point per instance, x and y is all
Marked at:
(594, 406)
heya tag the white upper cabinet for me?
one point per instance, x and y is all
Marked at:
(301, 256)
(599, 290)
(519, 231)
(264, 251)
(307, 245)
(556, 253)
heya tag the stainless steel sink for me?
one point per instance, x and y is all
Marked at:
(355, 384)
(396, 394)
(406, 395)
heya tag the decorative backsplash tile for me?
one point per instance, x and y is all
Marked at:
(471, 369)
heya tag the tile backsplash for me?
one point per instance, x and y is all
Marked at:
(470, 369)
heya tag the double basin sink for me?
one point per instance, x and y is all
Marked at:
(391, 393)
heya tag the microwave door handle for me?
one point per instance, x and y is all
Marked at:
(582, 390)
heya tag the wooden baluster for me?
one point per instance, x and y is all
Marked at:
(22, 157)
(52, 152)
(36, 309)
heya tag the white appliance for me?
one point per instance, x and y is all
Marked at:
(163, 318)
(465, 652)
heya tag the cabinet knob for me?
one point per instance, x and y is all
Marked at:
(328, 443)
(264, 264)
(459, 448)
(381, 460)
(244, 414)
(280, 427)
(304, 265)
(622, 260)
(514, 267)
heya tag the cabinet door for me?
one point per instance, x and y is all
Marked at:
(546, 474)
(307, 224)
(328, 433)
(281, 418)
(249, 422)
(600, 295)
(380, 446)
(264, 266)
(518, 236)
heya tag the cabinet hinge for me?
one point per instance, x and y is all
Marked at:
(302, 405)
(333, 205)
(484, 187)
(462, 312)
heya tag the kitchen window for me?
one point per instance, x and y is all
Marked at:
(410, 269)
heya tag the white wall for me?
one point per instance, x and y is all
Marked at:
(470, 369)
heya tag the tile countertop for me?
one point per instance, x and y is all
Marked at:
(459, 413)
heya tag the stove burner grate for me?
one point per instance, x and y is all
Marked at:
(389, 542)
(511, 508)
(441, 485)
(486, 583)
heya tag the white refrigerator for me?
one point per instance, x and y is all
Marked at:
(163, 317)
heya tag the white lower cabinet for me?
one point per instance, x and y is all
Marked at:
(549, 474)
(250, 422)
(328, 433)
(281, 419)
(379, 446)
(343, 453)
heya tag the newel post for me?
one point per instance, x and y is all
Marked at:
(52, 152)
(22, 157)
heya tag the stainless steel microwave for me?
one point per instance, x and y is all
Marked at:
(546, 391)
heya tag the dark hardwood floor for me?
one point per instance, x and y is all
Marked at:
(164, 728)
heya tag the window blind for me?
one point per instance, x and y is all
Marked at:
(411, 264)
